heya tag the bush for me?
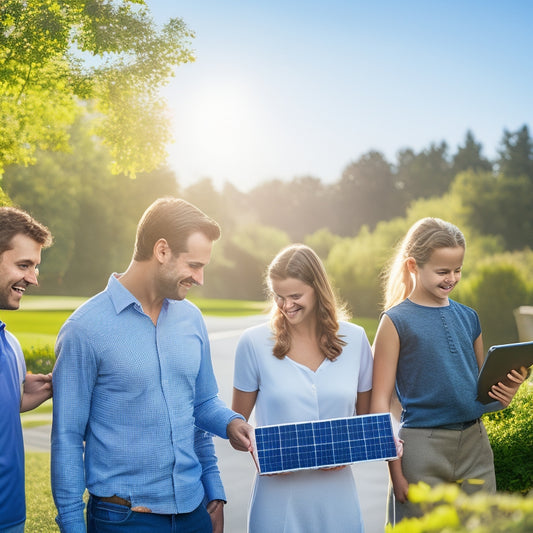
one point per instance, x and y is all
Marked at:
(447, 509)
(40, 360)
(510, 432)
(494, 292)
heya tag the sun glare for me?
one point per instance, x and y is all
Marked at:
(217, 125)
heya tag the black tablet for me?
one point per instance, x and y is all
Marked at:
(499, 362)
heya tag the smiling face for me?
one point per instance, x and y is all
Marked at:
(438, 277)
(18, 270)
(179, 273)
(295, 299)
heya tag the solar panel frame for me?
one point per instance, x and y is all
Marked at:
(323, 443)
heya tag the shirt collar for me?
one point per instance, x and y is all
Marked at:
(120, 296)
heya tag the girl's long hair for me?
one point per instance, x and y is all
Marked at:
(422, 239)
(301, 262)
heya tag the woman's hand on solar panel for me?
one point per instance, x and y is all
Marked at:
(333, 468)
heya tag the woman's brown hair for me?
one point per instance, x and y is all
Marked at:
(301, 262)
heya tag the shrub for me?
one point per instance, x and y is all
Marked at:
(40, 360)
(447, 509)
(510, 432)
(494, 292)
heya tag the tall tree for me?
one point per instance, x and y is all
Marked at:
(425, 174)
(498, 205)
(468, 157)
(516, 154)
(108, 53)
(366, 193)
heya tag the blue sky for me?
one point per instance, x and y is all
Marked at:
(290, 88)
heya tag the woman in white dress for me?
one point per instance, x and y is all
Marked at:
(305, 365)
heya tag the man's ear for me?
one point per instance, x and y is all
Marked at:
(161, 250)
(411, 265)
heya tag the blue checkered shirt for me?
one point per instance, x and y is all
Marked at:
(134, 393)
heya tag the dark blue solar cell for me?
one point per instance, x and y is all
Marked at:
(324, 443)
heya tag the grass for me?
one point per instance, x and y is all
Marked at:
(41, 511)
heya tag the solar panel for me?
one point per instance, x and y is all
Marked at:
(324, 443)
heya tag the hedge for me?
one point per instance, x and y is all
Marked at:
(511, 436)
(447, 509)
(40, 360)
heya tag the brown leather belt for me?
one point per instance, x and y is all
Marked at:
(121, 501)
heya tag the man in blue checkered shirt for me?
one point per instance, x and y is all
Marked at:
(135, 393)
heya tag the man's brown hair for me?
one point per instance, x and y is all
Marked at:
(174, 220)
(14, 221)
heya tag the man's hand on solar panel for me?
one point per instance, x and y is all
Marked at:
(240, 435)
(504, 392)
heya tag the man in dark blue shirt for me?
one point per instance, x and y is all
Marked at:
(21, 241)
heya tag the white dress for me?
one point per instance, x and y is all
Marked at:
(307, 501)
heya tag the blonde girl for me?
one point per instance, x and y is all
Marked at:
(429, 349)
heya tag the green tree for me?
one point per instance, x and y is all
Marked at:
(498, 205)
(516, 154)
(425, 174)
(322, 241)
(468, 157)
(218, 206)
(366, 194)
(240, 261)
(494, 291)
(92, 217)
(56, 53)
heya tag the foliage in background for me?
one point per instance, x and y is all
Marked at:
(92, 215)
(510, 432)
(449, 510)
(494, 290)
(40, 360)
(55, 54)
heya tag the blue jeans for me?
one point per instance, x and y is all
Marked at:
(19, 528)
(105, 517)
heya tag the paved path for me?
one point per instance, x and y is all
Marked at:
(237, 468)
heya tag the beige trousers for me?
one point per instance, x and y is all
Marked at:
(438, 456)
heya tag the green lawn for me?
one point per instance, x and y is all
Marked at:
(41, 511)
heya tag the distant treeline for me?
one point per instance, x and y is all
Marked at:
(352, 223)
